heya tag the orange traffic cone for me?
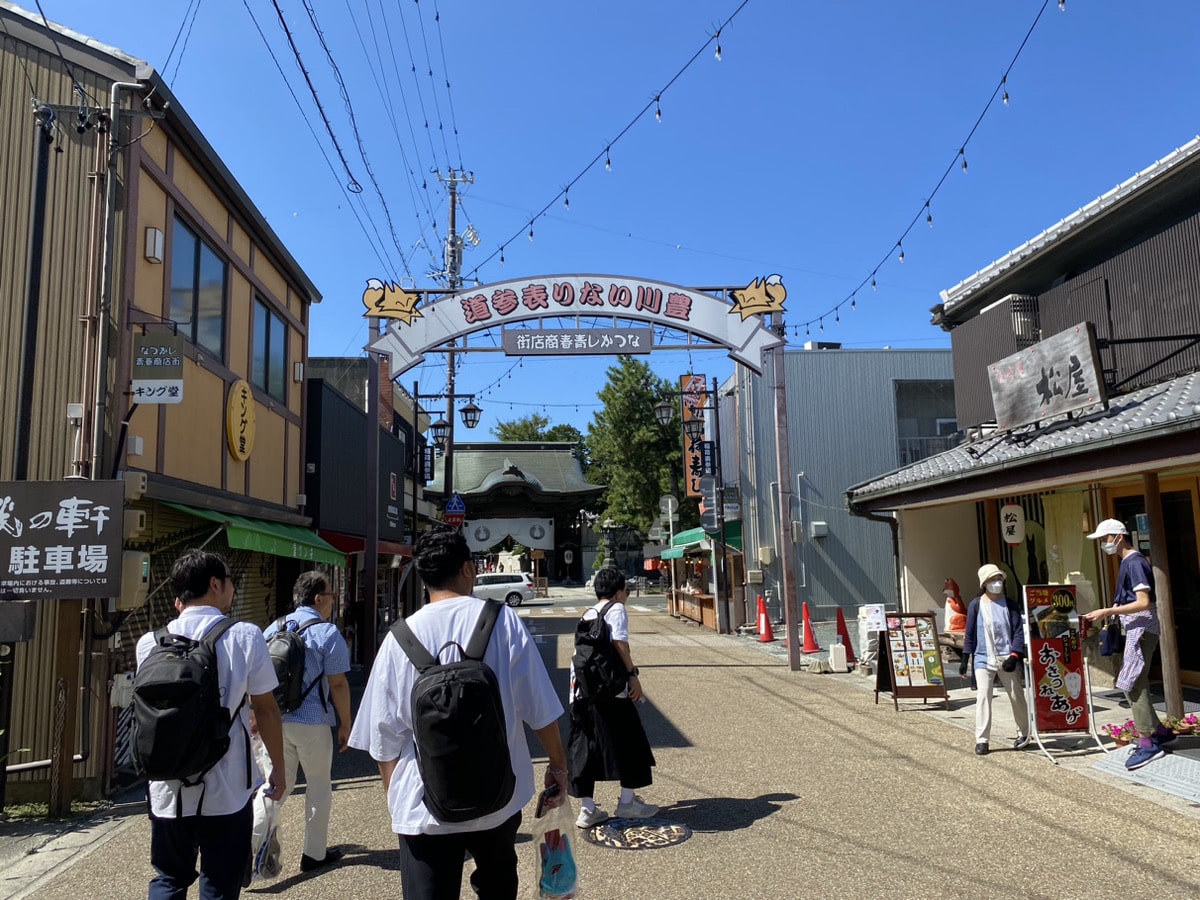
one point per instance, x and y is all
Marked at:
(844, 634)
(810, 639)
(765, 633)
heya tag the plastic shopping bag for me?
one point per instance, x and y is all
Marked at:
(264, 839)
(556, 876)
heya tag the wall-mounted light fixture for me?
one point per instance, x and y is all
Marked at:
(154, 244)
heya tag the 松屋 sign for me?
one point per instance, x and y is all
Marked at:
(1055, 376)
(61, 539)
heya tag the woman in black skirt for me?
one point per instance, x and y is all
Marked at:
(607, 741)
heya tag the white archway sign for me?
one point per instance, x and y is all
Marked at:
(735, 323)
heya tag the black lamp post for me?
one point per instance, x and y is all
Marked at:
(443, 436)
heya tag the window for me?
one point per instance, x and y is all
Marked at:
(268, 368)
(197, 290)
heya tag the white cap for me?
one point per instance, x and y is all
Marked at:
(1108, 527)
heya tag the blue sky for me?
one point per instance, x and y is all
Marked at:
(805, 151)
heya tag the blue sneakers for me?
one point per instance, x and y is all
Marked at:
(1164, 737)
(1143, 755)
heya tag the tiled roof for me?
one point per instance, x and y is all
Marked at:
(1162, 409)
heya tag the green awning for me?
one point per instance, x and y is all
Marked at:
(687, 540)
(273, 538)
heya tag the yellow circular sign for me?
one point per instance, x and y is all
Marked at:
(239, 420)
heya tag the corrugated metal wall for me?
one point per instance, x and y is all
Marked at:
(842, 430)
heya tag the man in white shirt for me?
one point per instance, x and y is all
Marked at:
(214, 818)
(431, 851)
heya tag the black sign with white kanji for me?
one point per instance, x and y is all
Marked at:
(61, 539)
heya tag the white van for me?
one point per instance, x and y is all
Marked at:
(514, 588)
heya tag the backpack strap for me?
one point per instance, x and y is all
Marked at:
(601, 622)
(280, 625)
(413, 649)
(482, 632)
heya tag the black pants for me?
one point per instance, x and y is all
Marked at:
(223, 844)
(431, 865)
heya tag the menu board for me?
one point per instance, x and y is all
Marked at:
(1055, 658)
(911, 663)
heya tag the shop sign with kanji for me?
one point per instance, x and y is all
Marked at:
(576, 341)
(61, 539)
(1055, 658)
(157, 368)
(1058, 375)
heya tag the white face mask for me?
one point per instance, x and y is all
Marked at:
(1110, 549)
(996, 586)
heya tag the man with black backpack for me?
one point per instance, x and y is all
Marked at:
(311, 660)
(191, 736)
(444, 716)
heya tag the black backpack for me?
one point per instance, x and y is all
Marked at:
(180, 728)
(287, 656)
(459, 727)
(599, 669)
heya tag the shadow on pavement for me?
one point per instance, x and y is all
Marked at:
(725, 813)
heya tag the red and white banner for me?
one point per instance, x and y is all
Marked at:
(1055, 658)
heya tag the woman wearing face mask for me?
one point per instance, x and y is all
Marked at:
(995, 639)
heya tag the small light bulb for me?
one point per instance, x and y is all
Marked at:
(530, 231)
(1004, 98)
(1062, 5)
(901, 253)
(807, 333)
(853, 302)
(837, 317)
(822, 326)
(607, 161)
(501, 256)
(964, 164)
(928, 217)
(874, 286)
(718, 51)
(657, 110)
(566, 200)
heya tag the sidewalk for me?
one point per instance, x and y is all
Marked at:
(1172, 782)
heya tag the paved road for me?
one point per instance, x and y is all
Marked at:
(794, 786)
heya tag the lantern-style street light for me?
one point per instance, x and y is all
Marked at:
(443, 436)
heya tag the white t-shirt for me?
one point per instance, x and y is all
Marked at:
(244, 668)
(618, 625)
(383, 725)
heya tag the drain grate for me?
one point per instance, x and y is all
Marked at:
(637, 834)
(1177, 774)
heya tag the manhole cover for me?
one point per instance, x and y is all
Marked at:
(637, 834)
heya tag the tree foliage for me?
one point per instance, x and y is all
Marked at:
(536, 427)
(638, 459)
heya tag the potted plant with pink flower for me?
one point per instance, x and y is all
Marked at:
(1187, 724)
(1122, 733)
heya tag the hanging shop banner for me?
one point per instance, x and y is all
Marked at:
(1055, 658)
(157, 368)
(61, 539)
(911, 663)
(692, 400)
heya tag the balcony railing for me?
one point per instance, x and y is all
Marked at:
(915, 449)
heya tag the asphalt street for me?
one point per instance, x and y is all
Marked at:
(793, 785)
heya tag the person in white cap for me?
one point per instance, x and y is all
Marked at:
(1134, 602)
(995, 640)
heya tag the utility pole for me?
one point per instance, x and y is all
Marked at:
(454, 254)
(783, 461)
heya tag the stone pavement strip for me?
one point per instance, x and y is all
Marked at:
(793, 785)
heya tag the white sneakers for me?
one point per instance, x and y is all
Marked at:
(587, 819)
(636, 809)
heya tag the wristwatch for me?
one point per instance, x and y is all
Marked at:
(632, 673)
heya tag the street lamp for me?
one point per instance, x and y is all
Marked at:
(443, 436)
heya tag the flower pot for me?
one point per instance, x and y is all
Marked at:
(1120, 742)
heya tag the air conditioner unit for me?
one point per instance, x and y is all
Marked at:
(135, 579)
(135, 485)
(135, 523)
(754, 576)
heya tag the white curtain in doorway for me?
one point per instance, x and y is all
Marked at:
(1064, 537)
(483, 534)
